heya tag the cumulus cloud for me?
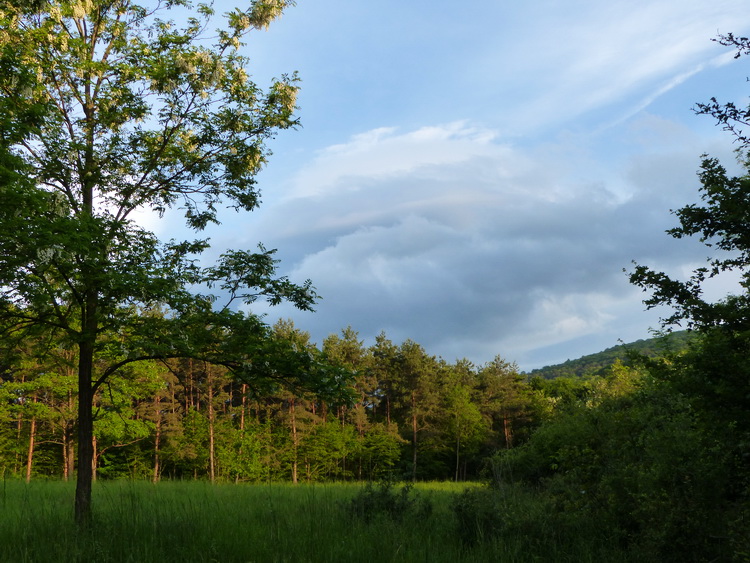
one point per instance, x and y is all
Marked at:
(475, 248)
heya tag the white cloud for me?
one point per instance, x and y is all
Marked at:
(382, 152)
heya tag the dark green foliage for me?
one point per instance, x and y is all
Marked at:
(643, 465)
(715, 373)
(385, 499)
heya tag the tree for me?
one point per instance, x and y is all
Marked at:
(464, 424)
(109, 108)
(415, 395)
(721, 223)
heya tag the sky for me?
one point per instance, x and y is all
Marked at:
(476, 176)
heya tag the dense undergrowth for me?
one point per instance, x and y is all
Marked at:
(655, 460)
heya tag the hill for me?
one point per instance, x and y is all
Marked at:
(592, 363)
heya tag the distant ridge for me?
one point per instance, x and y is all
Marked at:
(593, 363)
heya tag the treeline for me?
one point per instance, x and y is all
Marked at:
(411, 416)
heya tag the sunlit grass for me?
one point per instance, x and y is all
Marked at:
(197, 521)
(136, 521)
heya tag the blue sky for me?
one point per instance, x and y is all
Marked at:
(475, 176)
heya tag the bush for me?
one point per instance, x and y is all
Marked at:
(384, 499)
(643, 464)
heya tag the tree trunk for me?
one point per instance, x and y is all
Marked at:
(507, 431)
(157, 439)
(30, 454)
(68, 451)
(19, 429)
(242, 427)
(458, 451)
(414, 436)
(68, 441)
(242, 412)
(95, 457)
(211, 416)
(85, 433)
(295, 439)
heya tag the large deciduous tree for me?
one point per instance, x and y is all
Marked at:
(107, 108)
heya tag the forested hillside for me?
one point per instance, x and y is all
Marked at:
(594, 363)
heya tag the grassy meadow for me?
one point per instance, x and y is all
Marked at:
(136, 521)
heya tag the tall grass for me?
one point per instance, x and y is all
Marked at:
(185, 522)
(195, 521)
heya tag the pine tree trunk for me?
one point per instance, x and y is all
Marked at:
(242, 427)
(294, 440)
(157, 440)
(68, 451)
(507, 431)
(65, 452)
(19, 429)
(244, 407)
(458, 450)
(30, 453)
(68, 442)
(94, 457)
(211, 453)
(414, 436)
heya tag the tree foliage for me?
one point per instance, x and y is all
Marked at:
(721, 223)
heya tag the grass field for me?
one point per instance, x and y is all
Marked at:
(199, 522)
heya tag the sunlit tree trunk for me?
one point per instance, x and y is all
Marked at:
(157, 440)
(19, 434)
(211, 416)
(242, 412)
(68, 441)
(95, 457)
(414, 436)
(458, 451)
(67, 453)
(30, 453)
(507, 431)
(295, 439)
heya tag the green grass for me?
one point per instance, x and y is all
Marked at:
(183, 522)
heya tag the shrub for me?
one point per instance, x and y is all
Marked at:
(386, 500)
